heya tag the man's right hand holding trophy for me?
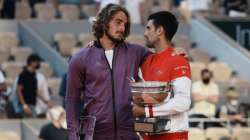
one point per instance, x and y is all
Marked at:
(146, 94)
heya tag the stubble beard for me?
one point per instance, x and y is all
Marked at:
(151, 44)
(115, 40)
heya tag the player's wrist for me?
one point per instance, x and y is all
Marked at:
(25, 106)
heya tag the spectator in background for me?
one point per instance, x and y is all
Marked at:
(103, 3)
(230, 109)
(41, 107)
(14, 108)
(8, 9)
(205, 94)
(56, 129)
(32, 4)
(3, 98)
(135, 10)
(235, 8)
(27, 87)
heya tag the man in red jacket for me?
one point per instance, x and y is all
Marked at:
(163, 66)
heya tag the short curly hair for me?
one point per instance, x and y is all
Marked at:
(103, 18)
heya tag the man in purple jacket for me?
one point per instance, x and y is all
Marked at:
(99, 74)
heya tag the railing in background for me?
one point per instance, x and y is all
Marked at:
(217, 44)
(43, 48)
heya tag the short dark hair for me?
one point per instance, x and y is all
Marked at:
(206, 71)
(103, 18)
(33, 58)
(167, 20)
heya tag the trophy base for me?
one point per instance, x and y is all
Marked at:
(152, 125)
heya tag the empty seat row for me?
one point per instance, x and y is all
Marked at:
(8, 40)
(47, 11)
(67, 42)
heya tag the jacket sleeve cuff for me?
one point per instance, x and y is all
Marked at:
(149, 111)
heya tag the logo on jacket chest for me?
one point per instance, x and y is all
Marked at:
(161, 74)
(158, 72)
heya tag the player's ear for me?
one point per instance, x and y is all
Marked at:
(160, 30)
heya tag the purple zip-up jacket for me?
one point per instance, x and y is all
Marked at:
(106, 93)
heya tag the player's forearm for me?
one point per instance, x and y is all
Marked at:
(72, 119)
(197, 97)
(179, 103)
(72, 110)
(213, 99)
(20, 95)
(73, 95)
(172, 108)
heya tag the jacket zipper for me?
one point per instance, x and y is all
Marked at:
(113, 92)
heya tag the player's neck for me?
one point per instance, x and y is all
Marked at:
(106, 43)
(162, 45)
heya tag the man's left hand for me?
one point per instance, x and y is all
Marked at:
(138, 111)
